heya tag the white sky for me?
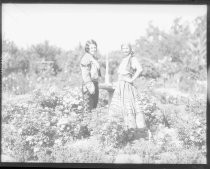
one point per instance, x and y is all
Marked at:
(65, 25)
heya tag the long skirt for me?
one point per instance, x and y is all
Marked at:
(125, 106)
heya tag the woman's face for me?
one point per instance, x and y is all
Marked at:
(92, 49)
(125, 50)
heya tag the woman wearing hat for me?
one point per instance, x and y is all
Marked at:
(125, 105)
(90, 74)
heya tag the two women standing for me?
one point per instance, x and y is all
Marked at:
(125, 103)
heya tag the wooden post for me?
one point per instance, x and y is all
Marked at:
(107, 85)
(107, 71)
(110, 93)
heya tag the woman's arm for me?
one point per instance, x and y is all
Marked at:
(85, 67)
(136, 65)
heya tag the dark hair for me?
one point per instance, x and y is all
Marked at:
(88, 44)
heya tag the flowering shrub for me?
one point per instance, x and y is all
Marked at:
(190, 122)
(111, 134)
(52, 117)
(153, 114)
(192, 131)
(52, 126)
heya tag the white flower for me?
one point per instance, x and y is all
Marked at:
(29, 138)
(197, 122)
(58, 141)
(192, 138)
(36, 149)
(52, 89)
(62, 121)
(48, 124)
(66, 111)
(19, 131)
(79, 107)
(18, 115)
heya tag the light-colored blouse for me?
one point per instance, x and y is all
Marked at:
(128, 66)
(90, 68)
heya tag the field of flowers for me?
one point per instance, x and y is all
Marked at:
(50, 125)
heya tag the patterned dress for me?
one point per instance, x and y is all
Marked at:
(125, 105)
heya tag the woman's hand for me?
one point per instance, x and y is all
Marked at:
(91, 88)
(129, 80)
(114, 84)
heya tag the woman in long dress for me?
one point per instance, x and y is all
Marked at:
(125, 104)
